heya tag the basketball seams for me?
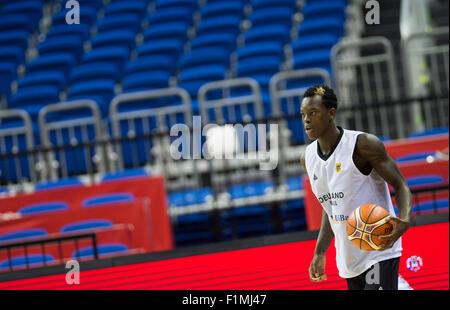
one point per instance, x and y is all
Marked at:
(373, 206)
(362, 231)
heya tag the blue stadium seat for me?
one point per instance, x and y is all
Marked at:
(226, 41)
(313, 59)
(189, 4)
(95, 71)
(57, 61)
(172, 31)
(151, 63)
(70, 44)
(278, 33)
(203, 73)
(10, 171)
(107, 199)
(44, 78)
(32, 10)
(262, 4)
(260, 68)
(319, 26)
(22, 234)
(14, 38)
(129, 22)
(270, 49)
(125, 174)
(169, 15)
(8, 73)
(46, 207)
(176, 199)
(12, 54)
(146, 80)
(425, 180)
(138, 8)
(15, 22)
(272, 16)
(220, 24)
(193, 78)
(116, 55)
(101, 91)
(213, 10)
(102, 250)
(320, 9)
(114, 38)
(34, 260)
(81, 31)
(58, 184)
(313, 42)
(86, 224)
(172, 48)
(250, 189)
(204, 56)
(32, 99)
(189, 197)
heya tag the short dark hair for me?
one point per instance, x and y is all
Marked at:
(329, 98)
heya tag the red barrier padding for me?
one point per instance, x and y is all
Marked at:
(150, 189)
(421, 144)
(135, 214)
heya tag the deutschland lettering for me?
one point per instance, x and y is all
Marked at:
(329, 196)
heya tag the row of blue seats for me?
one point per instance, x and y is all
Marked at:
(112, 57)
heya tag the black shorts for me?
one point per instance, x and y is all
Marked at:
(369, 280)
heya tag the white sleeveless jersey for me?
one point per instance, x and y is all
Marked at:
(340, 188)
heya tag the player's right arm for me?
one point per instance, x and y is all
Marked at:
(317, 266)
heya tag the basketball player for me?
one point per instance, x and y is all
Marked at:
(347, 169)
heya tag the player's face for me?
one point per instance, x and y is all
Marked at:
(315, 116)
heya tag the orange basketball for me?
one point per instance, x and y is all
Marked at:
(365, 226)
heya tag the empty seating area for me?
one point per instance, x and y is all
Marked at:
(91, 105)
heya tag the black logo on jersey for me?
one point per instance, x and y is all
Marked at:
(331, 196)
(315, 177)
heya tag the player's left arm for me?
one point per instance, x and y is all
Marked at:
(372, 149)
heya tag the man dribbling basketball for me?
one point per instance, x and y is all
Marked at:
(347, 169)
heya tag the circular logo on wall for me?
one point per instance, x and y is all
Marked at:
(414, 263)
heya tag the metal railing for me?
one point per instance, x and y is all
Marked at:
(14, 138)
(427, 74)
(74, 131)
(42, 242)
(367, 76)
(133, 116)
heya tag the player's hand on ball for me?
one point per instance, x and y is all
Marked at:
(399, 228)
(317, 269)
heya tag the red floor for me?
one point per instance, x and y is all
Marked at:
(278, 267)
